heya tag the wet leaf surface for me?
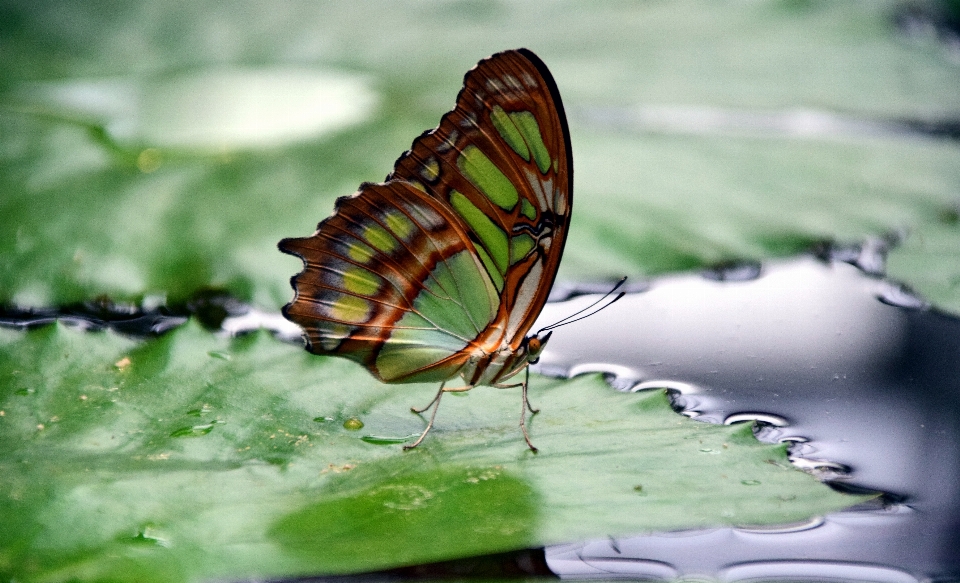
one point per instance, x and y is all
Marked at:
(164, 461)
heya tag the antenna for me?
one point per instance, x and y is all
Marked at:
(574, 315)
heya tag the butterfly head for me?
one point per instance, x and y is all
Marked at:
(535, 344)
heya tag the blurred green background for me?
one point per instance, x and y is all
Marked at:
(155, 148)
(149, 150)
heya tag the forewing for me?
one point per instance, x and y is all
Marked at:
(502, 160)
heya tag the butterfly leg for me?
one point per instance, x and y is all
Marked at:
(526, 394)
(524, 405)
(430, 404)
(523, 413)
(524, 384)
(436, 405)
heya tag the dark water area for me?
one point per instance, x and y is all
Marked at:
(860, 376)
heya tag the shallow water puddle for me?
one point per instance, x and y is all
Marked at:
(851, 369)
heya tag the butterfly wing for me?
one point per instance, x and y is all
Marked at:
(392, 282)
(456, 252)
(502, 159)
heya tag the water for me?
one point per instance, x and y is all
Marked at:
(857, 373)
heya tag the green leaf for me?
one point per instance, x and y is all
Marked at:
(190, 457)
(686, 201)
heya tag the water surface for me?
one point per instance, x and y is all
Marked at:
(858, 374)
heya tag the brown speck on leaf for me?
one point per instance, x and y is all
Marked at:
(83, 397)
(123, 363)
(40, 426)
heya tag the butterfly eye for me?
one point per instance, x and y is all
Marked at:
(534, 345)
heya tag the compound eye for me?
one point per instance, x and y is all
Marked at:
(533, 344)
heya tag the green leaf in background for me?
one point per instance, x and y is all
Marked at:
(115, 178)
(190, 457)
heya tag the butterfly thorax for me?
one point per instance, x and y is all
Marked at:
(494, 367)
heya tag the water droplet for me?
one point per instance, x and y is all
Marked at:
(150, 535)
(193, 431)
(386, 440)
(766, 418)
(750, 482)
(733, 271)
(823, 470)
(353, 424)
(323, 419)
(673, 387)
(820, 570)
(24, 392)
(220, 355)
(895, 294)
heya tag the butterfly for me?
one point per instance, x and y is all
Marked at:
(438, 273)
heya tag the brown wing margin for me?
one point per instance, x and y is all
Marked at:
(550, 268)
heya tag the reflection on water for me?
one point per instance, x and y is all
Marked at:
(852, 370)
